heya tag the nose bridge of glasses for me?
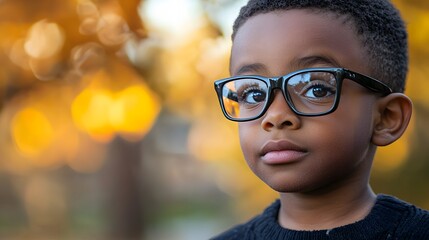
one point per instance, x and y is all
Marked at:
(277, 83)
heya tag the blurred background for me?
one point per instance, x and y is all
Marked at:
(110, 127)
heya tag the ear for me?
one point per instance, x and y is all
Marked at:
(394, 114)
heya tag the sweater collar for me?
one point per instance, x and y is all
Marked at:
(373, 226)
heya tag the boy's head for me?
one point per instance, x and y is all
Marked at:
(306, 122)
(376, 23)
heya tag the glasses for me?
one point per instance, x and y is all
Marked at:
(308, 92)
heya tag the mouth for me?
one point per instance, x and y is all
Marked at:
(281, 152)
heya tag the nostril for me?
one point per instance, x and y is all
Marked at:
(269, 125)
(279, 116)
(287, 123)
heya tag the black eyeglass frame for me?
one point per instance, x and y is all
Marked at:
(281, 82)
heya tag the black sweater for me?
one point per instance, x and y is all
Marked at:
(390, 218)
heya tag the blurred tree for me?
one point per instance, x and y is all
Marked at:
(53, 53)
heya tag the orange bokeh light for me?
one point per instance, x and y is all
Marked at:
(32, 131)
(103, 113)
(134, 111)
(90, 111)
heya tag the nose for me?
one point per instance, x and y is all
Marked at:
(279, 115)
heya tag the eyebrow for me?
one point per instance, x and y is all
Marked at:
(254, 67)
(310, 61)
(296, 63)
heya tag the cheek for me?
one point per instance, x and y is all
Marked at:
(360, 135)
(337, 150)
(359, 121)
(248, 132)
(349, 131)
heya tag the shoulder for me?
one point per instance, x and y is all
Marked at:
(249, 230)
(235, 233)
(414, 221)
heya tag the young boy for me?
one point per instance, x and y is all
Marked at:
(317, 85)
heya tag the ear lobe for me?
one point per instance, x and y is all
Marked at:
(394, 114)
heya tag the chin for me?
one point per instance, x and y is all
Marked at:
(286, 186)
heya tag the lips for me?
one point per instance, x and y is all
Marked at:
(281, 152)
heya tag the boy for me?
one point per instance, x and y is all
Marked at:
(310, 117)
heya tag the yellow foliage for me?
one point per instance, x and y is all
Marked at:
(418, 26)
(134, 111)
(103, 112)
(91, 111)
(31, 131)
(212, 140)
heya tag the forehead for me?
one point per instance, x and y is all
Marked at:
(278, 42)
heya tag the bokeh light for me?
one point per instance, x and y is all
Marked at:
(31, 131)
(44, 40)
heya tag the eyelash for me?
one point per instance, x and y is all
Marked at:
(313, 84)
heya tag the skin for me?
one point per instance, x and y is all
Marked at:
(329, 176)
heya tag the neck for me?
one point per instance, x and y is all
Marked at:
(326, 210)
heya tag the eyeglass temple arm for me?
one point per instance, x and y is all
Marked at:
(368, 82)
(232, 96)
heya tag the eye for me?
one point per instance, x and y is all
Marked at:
(251, 95)
(318, 90)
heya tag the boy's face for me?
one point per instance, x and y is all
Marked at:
(302, 154)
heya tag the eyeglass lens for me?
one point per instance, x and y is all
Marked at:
(308, 93)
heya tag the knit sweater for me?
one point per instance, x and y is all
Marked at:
(389, 219)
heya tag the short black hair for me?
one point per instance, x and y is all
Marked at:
(377, 23)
